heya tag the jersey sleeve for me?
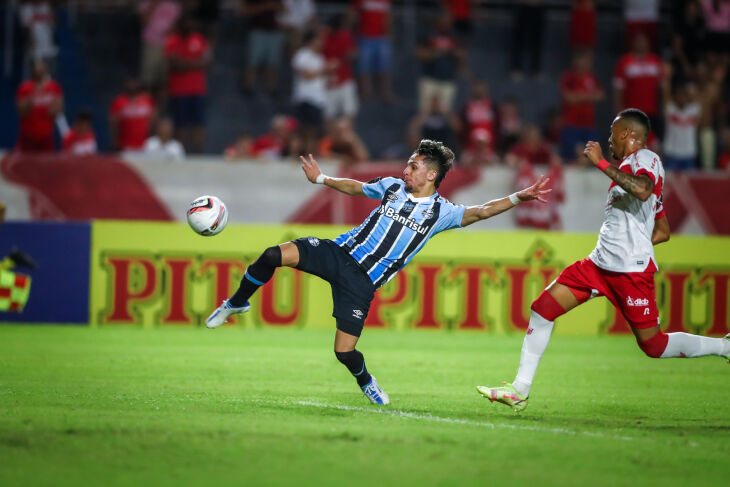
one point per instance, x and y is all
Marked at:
(646, 162)
(450, 216)
(376, 188)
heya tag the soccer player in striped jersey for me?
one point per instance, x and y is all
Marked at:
(359, 261)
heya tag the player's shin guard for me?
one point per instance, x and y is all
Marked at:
(544, 310)
(684, 345)
(257, 275)
(355, 363)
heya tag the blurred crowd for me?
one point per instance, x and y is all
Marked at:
(676, 73)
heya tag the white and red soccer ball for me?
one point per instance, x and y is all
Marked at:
(207, 215)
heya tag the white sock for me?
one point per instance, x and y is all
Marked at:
(690, 346)
(534, 345)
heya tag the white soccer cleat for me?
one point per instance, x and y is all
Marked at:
(374, 392)
(222, 312)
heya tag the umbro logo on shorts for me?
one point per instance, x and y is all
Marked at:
(313, 241)
(637, 302)
(357, 313)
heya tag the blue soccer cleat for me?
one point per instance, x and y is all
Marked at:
(374, 392)
(222, 312)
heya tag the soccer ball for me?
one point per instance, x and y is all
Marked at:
(207, 215)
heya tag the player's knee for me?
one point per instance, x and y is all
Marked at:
(654, 347)
(272, 256)
(547, 306)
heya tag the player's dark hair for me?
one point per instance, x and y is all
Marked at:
(436, 153)
(637, 116)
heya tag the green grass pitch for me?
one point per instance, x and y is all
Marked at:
(181, 406)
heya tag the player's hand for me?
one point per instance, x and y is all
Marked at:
(593, 151)
(310, 168)
(536, 191)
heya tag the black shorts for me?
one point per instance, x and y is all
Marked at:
(309, 115)
(352, 289)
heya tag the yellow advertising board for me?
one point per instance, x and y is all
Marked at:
(163, 274)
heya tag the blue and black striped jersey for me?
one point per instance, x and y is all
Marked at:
(396, 230)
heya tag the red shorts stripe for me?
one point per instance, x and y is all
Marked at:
(631, 292)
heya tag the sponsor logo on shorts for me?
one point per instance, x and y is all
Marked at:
(637, 302)
(357, 313)
(313, 241)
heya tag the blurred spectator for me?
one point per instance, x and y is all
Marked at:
(717, 19)
(583, 24)
(553, 128)
(509, 124)
(344, 144)
(158, 18)
(296, 18)
(37, 19)
(80, 140)
(39, 100)
(130, 116)
(441, 59)
(527, 30)
(642, 17)
(688, 38)
(310, 89)
(461, 11)
(533, 157)
(436, 123)
(340, 49)
(682, 117)
(188, 55)
(580, 91)
(374, 46)
(265, 44)
(711, 83)
(637, 77)
(723, 161)
(280, 142)
(162, 146)
(240, 149)
(478, 114)
(480, 151)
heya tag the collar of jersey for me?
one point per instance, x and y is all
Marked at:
(422, 199)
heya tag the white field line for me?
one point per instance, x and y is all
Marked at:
(483, 424)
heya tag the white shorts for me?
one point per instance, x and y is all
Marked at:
(342, 100)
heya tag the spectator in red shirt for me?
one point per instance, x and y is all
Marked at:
(340, 49)
(374, 47)
(461, 12)
(80, 140)
(480, 151)
(583, 24)
(130, 116)
(279, 143)
(580, 90)
(637, 80)
(478, 115)
(531, 157)
(39, 100)
(188, 55)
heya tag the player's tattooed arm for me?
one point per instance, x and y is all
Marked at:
(315, 175)
(537, 192)
(640, 186)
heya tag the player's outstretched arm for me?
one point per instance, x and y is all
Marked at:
(495, 207)
(661, 231)
(640, 186)
(314, 174)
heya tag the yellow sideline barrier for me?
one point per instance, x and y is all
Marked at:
(153, 274)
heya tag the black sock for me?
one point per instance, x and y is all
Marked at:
(257, 275)
(355, 363)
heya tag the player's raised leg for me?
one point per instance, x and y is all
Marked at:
(556, 300)
(355, 362)
(257, 274)
(657, 344)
